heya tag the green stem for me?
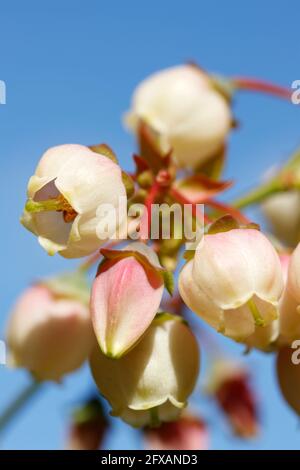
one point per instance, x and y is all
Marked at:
(154, 417)
(259, 194)
(21, 400)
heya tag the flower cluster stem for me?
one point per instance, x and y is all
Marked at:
(258, 194)
(18, 403)
(254, 84)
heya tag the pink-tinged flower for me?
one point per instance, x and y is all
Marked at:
(65, 196)
(151, 384)
(288, 375)
(285, 259)
(229, 385)
(49, 336)
(186, 112)
(234, 282)
(188, 433)
(266, 339)
(126, 295)
(283, 212)
(293, 278)
(88, 427)
(290, 302)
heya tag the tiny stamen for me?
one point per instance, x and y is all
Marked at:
(258, 319)
(59, 204)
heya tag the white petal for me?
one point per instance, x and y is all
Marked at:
(197, 300)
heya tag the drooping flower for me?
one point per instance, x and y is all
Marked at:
(268, 338)
(188, 433)
(283, 212)
(151, 383)
(289, 324)
(126, 295)
(234, 282)
(186, 112)
(230, 387)
(288, 375)
(282, 208)
(264, 338)
(65, 196)
(48, 335)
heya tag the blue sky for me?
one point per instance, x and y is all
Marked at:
(70, 68)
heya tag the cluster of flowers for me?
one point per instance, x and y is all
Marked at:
(145, 360)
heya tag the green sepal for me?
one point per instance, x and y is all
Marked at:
(162, 317)
(225, 86)
(88, 412)
(105, 150)
(72, 285)
(189, 254)
(128, 183)
(227, 223)
(148, 140)
(121, 254)
(169, 281)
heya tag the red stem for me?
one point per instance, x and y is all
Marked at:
(253, 84)
(145, 224)
(220, 206)
(93, 259)
(179, 197)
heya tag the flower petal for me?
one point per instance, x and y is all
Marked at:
(125, 299)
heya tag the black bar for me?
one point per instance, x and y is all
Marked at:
(134, 459)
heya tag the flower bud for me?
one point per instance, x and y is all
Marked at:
(188, 433)
(88, 427)
(153, 381)
(229, 385)
(288, 375)
(70, 186)
(125, 298)
(49, 336)
(283, 212)
(234, 282)
(187, 112)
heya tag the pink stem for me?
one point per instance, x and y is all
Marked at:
(220, 206)
(179, 197)
(253, 84)
(145, 225)
(93, 259)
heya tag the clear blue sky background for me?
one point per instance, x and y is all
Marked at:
(70, 68)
